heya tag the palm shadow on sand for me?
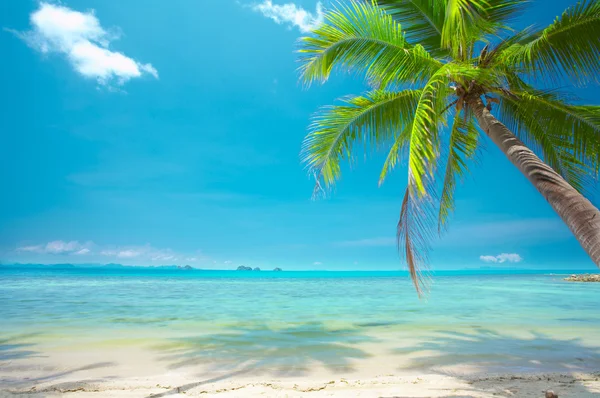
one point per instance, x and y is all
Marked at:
(288, 351)
(15, 348)
(487, 352)
(257, 350)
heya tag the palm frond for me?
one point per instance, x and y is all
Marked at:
(421, 20)
(363, 38)
(503, 11)
(373, 118)
(566, 136)
(401, 142)
(417, 218)
(568, 47)
(464, 23)
(415, 231)
(424, 139)
(463, 143)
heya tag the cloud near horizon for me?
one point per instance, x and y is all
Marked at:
(291, 15)
(502, 258)
(59, 247)
(141, 253)
(80, 37)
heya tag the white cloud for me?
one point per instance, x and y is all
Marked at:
(80, 37)
(291, 14)
(58, 247)
(317, 263)
(146, 253)
(141, 254)
(128, 253)
(502, 258)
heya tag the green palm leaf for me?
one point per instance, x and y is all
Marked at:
(570, 131)
(401, 143)
(422, 20)
(424, 139)
(570, 46)
(363, 38)
(373, 118)
(502, 11)
(463, 142)
(464, 23)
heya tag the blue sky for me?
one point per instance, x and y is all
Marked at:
(148, 134)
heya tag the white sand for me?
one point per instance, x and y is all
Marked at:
(426, 385)
(134, 372)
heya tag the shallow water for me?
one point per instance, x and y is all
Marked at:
(290, 320)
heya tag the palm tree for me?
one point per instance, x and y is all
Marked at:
(439, 70)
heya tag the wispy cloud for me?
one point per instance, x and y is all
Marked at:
(140, 254)
(317, 263)
(502, 258)
(58, 247)
(146, 252)
(291, 14)
(80, 37)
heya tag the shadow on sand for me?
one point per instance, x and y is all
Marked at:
(15, 348)
(258, 350)
(470, 356)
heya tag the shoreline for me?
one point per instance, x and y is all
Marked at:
(579, 385)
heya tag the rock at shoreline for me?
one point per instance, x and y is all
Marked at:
(256, 269)
(243, 268)
(187, 267)
(277, 269)
(584, 278)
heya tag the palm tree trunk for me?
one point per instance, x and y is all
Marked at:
(582, 218)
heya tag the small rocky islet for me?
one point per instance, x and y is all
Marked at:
(244, 268)
(583, 278)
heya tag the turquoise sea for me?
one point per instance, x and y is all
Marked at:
(288, 323)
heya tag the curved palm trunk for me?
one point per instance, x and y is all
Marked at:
(582, 218)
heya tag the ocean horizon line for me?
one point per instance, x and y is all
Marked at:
(374, 272)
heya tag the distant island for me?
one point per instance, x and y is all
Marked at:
(101, 266)
(244, 268)
(584, 278)
(114, 266)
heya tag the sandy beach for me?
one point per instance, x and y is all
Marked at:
(135, 372)
(228, 385)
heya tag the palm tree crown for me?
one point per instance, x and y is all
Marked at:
(432, 66)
